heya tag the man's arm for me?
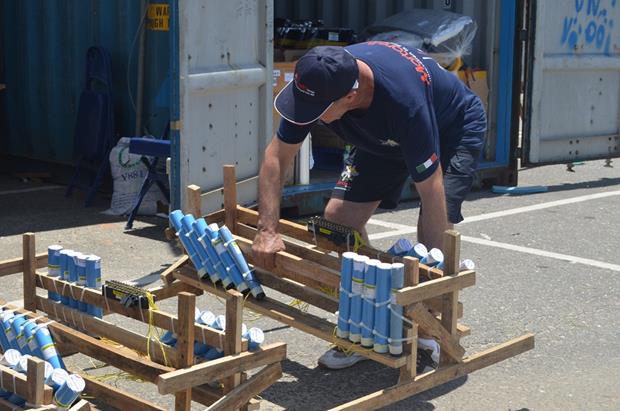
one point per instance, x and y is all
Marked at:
(434, 218)
(278, 157)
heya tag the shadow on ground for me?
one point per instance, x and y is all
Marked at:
(305, 388)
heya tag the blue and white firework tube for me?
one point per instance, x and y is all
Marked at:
(209, 240)
(64, 271)
(47, 346)
(22, 364)
(20, 337)
(169, 338)
(11, 358)
(382, 311)
(81, 280)
(401, 247)
(7, 320)
(466, 264)
(368, 303)
(357, 288)
(231, 268)
(396, 311)
(6, 345)
(93, 280)
(418, 251)
(176, 218)
(30, 327)
(69, 391)
(255, 337)
(53, 267)
(434, 257)
(73, 276)
(57, 378)
(237, 256)
(344, 302)
(200, 259)
(215, 268)
(218, 272)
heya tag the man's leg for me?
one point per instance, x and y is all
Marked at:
(351, 214)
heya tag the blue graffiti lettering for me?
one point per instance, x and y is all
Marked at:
(593, 6)
(591, 26)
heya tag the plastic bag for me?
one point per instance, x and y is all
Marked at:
(128, 174)
(444, 35)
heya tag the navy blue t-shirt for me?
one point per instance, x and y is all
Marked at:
(418, 110)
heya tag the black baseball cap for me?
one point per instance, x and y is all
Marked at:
(323, 75)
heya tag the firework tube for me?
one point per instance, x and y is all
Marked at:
(344, 303)
(237, 256)
(64, 271)
(357, 287)
(93, 280)
(218, 272)
(382, 311)
(202, 264)
(231, 268)
(69, 391)
(368, 303)
(53, 267)
(396, 311)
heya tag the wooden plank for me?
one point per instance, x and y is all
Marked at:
(166, 276)
(230, 197)
(449, 315)
(172, 290)
(18, 383)
(435, 304)
(30, 288)
(435, 288)
(253, 386)
(289, 265)
(307, 252)
(423, 382)
(161, 319)
(220, 368)
(16, 265)
(306, 322)
(36, 377)
(116, 398)
(232, 341)
(193, 201)
(297, 290)
(185, 346)
(433, 328)
(410, 347)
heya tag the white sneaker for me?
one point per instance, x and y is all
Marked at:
(428, 355)
(336, 359)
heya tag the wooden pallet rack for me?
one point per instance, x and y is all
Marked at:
(309, 271)
(173, 370)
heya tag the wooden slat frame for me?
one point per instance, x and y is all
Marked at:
(185, 347)
(295, 318)
(24, 386)
(117, 398)
(209, 336)
(432, 379)
(16, 265)
(220, 368)
(436, 288)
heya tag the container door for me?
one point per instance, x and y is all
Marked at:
(222, 57)
(572, 103)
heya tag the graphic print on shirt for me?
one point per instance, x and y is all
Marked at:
(425, 76)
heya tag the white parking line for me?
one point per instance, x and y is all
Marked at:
(534, 251)
(28, 190)
(402, 229)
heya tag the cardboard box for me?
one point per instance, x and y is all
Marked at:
(282, 74)
(476, 80)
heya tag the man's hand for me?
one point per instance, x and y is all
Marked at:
(266, 245)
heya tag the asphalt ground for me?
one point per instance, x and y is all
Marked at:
(547, 263)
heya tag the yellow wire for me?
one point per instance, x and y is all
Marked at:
(351, 348)
(153, 331)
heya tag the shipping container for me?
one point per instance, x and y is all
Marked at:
(552, 75)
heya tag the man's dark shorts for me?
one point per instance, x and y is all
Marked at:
(367, 177)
